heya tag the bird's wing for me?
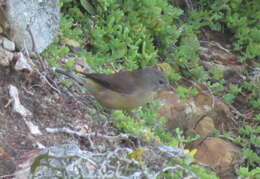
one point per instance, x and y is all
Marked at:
(122, 82)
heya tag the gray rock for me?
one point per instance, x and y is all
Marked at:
(42, 18)
(5, 57)
(8, 45)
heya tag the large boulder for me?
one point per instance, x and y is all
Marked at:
(37, 19)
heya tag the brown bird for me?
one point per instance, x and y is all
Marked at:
(124, 90)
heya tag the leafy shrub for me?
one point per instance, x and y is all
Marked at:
(240, 16)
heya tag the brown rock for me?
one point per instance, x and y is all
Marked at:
(205, 126)
(188, 114)
(203, 99)
(218, 111)
(181, 113)
(218, 154)
(171, 103)
(176, 110)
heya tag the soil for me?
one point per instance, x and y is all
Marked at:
(48, 108)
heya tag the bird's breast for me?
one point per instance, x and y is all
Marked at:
(115, 100)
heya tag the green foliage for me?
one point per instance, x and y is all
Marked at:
(171, 73)
(234, 90)
(198, 73)
(186, 92)
(184, 140)
(249, 139)
(57, 49)
(257, 118)
(150, 125)
(217, 87)
(70, 64)
(69, 30)
(134, 32)
(126, 123)
(55, 53)
(245, 173)
(130, 30)
(204, 17)
(241, 16)
(200, 171)
(216, 73)
(186, 54)
(252, 157)
(255, 103)
(37, 162)
(254, 89)
(186, 57)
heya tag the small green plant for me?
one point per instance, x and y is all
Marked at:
(187, 163)
(70, 64)
(255, 103)
(150, 125)
(252, 158)
(245, 173)
(57, 50)
(249, 140)
(234, 90)
(217, 87)
(216, 73)
(186, 92)
(254, 89)
(131, 30)
(257, 117)
(184, 140)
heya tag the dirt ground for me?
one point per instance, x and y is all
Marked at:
(49, 109)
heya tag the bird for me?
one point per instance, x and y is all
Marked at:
(123, 90)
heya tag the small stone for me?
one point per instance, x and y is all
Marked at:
(5, 57)
(8, 45)
(23, 63)
(205, 126)
(1, 29)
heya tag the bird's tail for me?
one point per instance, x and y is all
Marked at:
(68, 74)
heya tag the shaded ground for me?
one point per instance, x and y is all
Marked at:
(49, 110)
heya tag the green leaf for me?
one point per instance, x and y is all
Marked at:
(37, 162)
(88, 7)
(70, 64)
(229, 98)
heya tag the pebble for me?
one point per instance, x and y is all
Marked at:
(8, 45)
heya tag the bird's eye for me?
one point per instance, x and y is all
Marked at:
(161, 82)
